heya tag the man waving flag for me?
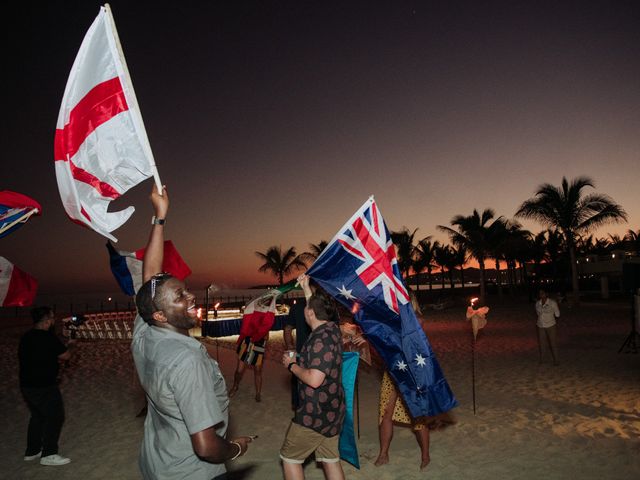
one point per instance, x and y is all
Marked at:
(359, 269)
(101, 147)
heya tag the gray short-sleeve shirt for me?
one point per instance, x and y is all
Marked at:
(186, 394)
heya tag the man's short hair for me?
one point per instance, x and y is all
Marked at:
(149, 294)
(39, 313)
(322, 306)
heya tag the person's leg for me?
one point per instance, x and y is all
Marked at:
(328, 454)
(289, 343)
(299, 443)
(54, 418)
(541, 340)
(292, 471)
(551, 336)
(333, 470)
(385, 429)
(237, 377)
(36, 424)
(422, 436)
(257, 377)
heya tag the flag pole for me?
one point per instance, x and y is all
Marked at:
(473, 372)
(137, 115)
(22, 219)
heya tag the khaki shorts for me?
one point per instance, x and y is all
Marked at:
(300, 442)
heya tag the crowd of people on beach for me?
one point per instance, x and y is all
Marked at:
(187, 416)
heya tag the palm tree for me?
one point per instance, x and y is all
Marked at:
(572, 213)
(633, 240)
(451, 262)
(537, 247)
(497, 247)
(315, 249)
(460, 256)
(280, 263)
(475, 233)
(403, 240)
(515, 249)
(425, 258)
(616, 242)
(555, 251)
(443, 260)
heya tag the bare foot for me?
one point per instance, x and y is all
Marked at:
(258, 399)
(381, 460)
(425, 462)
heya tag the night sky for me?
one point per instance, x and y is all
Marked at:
(272, 122)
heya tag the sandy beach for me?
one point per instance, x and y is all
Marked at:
(579, 420)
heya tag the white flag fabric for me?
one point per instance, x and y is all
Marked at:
(101, 147)
(17, 288)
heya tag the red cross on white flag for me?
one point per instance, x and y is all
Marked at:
(101, 148)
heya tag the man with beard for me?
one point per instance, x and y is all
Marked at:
(186, 424)
(318, 419)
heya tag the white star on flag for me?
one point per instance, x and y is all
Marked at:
(420, 360)
(346, 293)
(401, 365)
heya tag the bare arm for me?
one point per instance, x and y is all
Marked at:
(310, 376)
(153, 255)
(303, 280)
(211, 447)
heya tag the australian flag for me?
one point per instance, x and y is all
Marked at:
(359, 269)
(15, 210)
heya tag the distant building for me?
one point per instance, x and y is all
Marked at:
(608, 269)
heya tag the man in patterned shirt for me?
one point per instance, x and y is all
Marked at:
(318, 419)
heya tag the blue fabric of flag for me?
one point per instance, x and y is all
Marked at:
(359, 269)
(15, 210)
(120, 270)
(347, 442)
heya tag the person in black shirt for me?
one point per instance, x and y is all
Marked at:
(39, 353)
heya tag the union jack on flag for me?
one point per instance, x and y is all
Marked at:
(368, 239)
(359, 269)
(15, 210)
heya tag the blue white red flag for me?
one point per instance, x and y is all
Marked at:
(101, 148)
(17, 288)
(15, 210)
(359, 268)
(127, 266)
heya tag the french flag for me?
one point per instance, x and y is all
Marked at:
(101, 148)
(127, 266)
(17, 288)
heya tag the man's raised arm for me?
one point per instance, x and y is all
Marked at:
(153, 255)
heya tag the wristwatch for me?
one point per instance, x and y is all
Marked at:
(157, 221)
(290, 366)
